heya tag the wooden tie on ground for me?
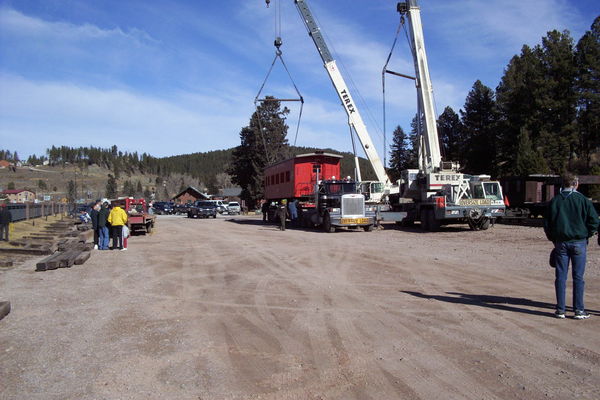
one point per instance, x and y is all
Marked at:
(76, 254)
(4, 308)
(63, 241)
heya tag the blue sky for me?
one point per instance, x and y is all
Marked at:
(172, 77)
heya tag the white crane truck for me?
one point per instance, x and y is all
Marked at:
(436, 193)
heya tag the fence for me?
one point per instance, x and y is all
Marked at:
(25, 211)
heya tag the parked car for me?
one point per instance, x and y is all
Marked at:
(234, 207)
(162, 207)
(202, 209)
(221, 205)
(181, 208)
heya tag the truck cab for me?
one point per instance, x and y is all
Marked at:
(339, 204)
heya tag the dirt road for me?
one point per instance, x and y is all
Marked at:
(233, 309)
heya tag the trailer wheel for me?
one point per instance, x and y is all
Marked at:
(368, 228)
(327, 227)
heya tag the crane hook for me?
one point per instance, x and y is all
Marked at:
(268, 2)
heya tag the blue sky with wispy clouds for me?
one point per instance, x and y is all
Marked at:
(171, 77)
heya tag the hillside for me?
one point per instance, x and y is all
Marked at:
(89, 170)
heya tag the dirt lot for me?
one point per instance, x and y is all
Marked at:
(233, 309)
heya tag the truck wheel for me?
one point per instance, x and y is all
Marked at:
(485, 224)
(424, 220)
(406, 223)
(215, 216)
(433, 224)
(327, 224)
(189, 215)
(368, 228)
(149, 228)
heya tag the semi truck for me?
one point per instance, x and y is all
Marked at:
(324, 199)
(138, 218)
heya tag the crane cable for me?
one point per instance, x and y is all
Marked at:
(278, 56)
(384, 70)
(417, 83)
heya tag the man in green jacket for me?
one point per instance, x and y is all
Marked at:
(569, 222)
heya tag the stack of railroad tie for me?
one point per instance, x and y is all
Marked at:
(70, 245)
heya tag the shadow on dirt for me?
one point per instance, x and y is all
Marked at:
(417, 228)
(288, 226)
(497, 302)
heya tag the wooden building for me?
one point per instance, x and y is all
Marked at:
(190, 195)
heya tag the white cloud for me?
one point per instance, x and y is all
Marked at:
(15, 23)
(486, 29)
(58, 113)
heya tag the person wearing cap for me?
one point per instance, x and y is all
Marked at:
(103, 233)
(5, 220)
(282, 213)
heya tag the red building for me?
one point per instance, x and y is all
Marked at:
(296, 177)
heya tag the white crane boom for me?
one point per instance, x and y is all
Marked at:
(431, 156)
(354, 118)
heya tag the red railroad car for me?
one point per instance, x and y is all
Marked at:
(296, 177)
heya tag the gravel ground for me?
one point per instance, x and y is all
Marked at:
(234, 309)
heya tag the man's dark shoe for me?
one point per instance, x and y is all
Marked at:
(559, 314)
(581, 315)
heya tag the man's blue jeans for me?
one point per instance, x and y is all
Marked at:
(576, 253)
(103, 238)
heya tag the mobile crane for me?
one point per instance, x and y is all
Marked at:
(436, 193)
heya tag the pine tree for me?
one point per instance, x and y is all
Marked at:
(415, 138)
(401, 156)
(450, 132)
(111, 187)
(139, 190)
(479, 119)
(128, 189)
(263, 142)
(71, 191)
(587, 58)
(528, 160)
(558, 101)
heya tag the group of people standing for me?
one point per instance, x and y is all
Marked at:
(284, 211)
(109, 221)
